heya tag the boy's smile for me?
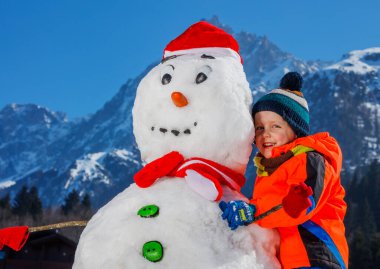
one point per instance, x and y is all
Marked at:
(271, 130)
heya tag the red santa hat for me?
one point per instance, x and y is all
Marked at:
(204, 38)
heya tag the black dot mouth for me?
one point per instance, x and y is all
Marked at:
(175, 132)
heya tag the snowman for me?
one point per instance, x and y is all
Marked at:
(192, 124)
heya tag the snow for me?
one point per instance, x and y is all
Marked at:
(6, 184)
(125, 155)
(359, 62)
(268, 80)
(87, 168)
(189, 227)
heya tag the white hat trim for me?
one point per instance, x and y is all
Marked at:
(217, 51)
(298, 99)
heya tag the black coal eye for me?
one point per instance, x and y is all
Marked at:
(166, 74)
(200, 77)
(166, 79)
(203, 74)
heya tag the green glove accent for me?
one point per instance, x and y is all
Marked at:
(153, 251)
(149, 211)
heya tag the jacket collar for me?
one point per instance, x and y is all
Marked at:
(266, 166)
(321, 142)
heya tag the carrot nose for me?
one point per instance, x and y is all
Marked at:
(179, 99)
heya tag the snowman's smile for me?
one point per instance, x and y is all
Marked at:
(173, 131)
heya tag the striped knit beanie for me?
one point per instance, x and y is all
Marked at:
(288, 102)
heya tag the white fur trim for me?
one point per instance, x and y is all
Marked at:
(213, 51)
(295, 97)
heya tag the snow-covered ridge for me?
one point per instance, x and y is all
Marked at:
(6, 184)
(87, 169)
(36, 113)
(124, 155)
(359, 61)
(95, 169)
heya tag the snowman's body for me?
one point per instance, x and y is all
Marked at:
(210, 119)
(188, 227)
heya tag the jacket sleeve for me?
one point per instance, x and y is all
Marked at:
(310, 168)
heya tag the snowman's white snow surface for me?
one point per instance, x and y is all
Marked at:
(215, 124)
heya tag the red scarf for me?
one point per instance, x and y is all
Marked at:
(204, 174)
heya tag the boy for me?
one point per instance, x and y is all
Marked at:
(289, 156)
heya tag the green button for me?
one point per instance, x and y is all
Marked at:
(153, 251)
(148, 211)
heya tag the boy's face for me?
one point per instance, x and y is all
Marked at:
(271, 130)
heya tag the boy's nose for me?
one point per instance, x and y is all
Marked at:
(179, 99)
(266, 133)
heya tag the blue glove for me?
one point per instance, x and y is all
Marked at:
(237, 213)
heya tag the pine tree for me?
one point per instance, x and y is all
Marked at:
(5, 202)
(360, 252)
(21, 202)
(5, 209)
(86, 202)
(71, 202)
(27, 202)
(350, 220)
(364, 218)
(374, 190)
(367, 219)
(86, 210)
(352, 187)
(375, 249)
(35, 206)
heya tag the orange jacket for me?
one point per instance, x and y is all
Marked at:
(317, 236)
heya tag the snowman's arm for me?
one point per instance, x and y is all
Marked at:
(158, 168)
(204, 183)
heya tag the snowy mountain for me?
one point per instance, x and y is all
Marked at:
(344, 99)
(56, 156)
(98, 155)
(264, 62)
(25, 132)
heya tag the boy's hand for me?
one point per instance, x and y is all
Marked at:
(297, 200)
(238, 213)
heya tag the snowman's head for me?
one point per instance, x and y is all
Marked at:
(198, 104)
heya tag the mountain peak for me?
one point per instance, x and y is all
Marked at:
(31, 114)
(359, 61)
(215, 21)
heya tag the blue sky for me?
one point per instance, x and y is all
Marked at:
(73, 56)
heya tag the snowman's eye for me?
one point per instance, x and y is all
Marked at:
(200, 78)
(166, 74)
(203, 74)
(166, 79)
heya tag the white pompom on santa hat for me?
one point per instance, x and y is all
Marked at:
(204, 38)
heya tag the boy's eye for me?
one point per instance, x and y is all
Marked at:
(276, 126)
(258, 128)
